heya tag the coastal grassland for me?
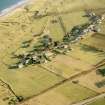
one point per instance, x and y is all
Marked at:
(66, 66)
(71, 5)
(65, 94)
(36, 5)
(22, 26)
(14, 31)
(55, 29)
(100, 101)
(12, 35)
(72, 19)
(94, 4)
(74, 5)
(28, 81)
(56, 32)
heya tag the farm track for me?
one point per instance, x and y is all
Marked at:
(62, 25)
(89, 89)
(48, 69)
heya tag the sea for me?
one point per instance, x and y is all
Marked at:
(7, 3)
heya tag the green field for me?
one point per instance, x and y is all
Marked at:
(61, 65)
(70, 20)
(28, 81)
(67, 93)
(74, 92)
(96, 41)
(90, 57)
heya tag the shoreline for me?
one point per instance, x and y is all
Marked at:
(12, 8)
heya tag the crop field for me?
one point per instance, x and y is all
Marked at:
(87, 54)
(96, 41)
(63, 66)
(29, 81)
(67, 93)
(90, 80)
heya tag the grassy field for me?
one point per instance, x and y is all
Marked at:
(90, 81)
(96, 41)
(55, 30)
(29, 81)
(65, 94)
(90, 50)
(70, 19)
(87, 54)
(63, 66)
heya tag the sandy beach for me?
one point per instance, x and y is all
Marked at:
(8, 11)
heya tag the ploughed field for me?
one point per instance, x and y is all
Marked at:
(56, 82)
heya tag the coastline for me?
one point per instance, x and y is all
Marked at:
(14, 7)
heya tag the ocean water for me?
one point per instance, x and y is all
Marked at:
(7, 3)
